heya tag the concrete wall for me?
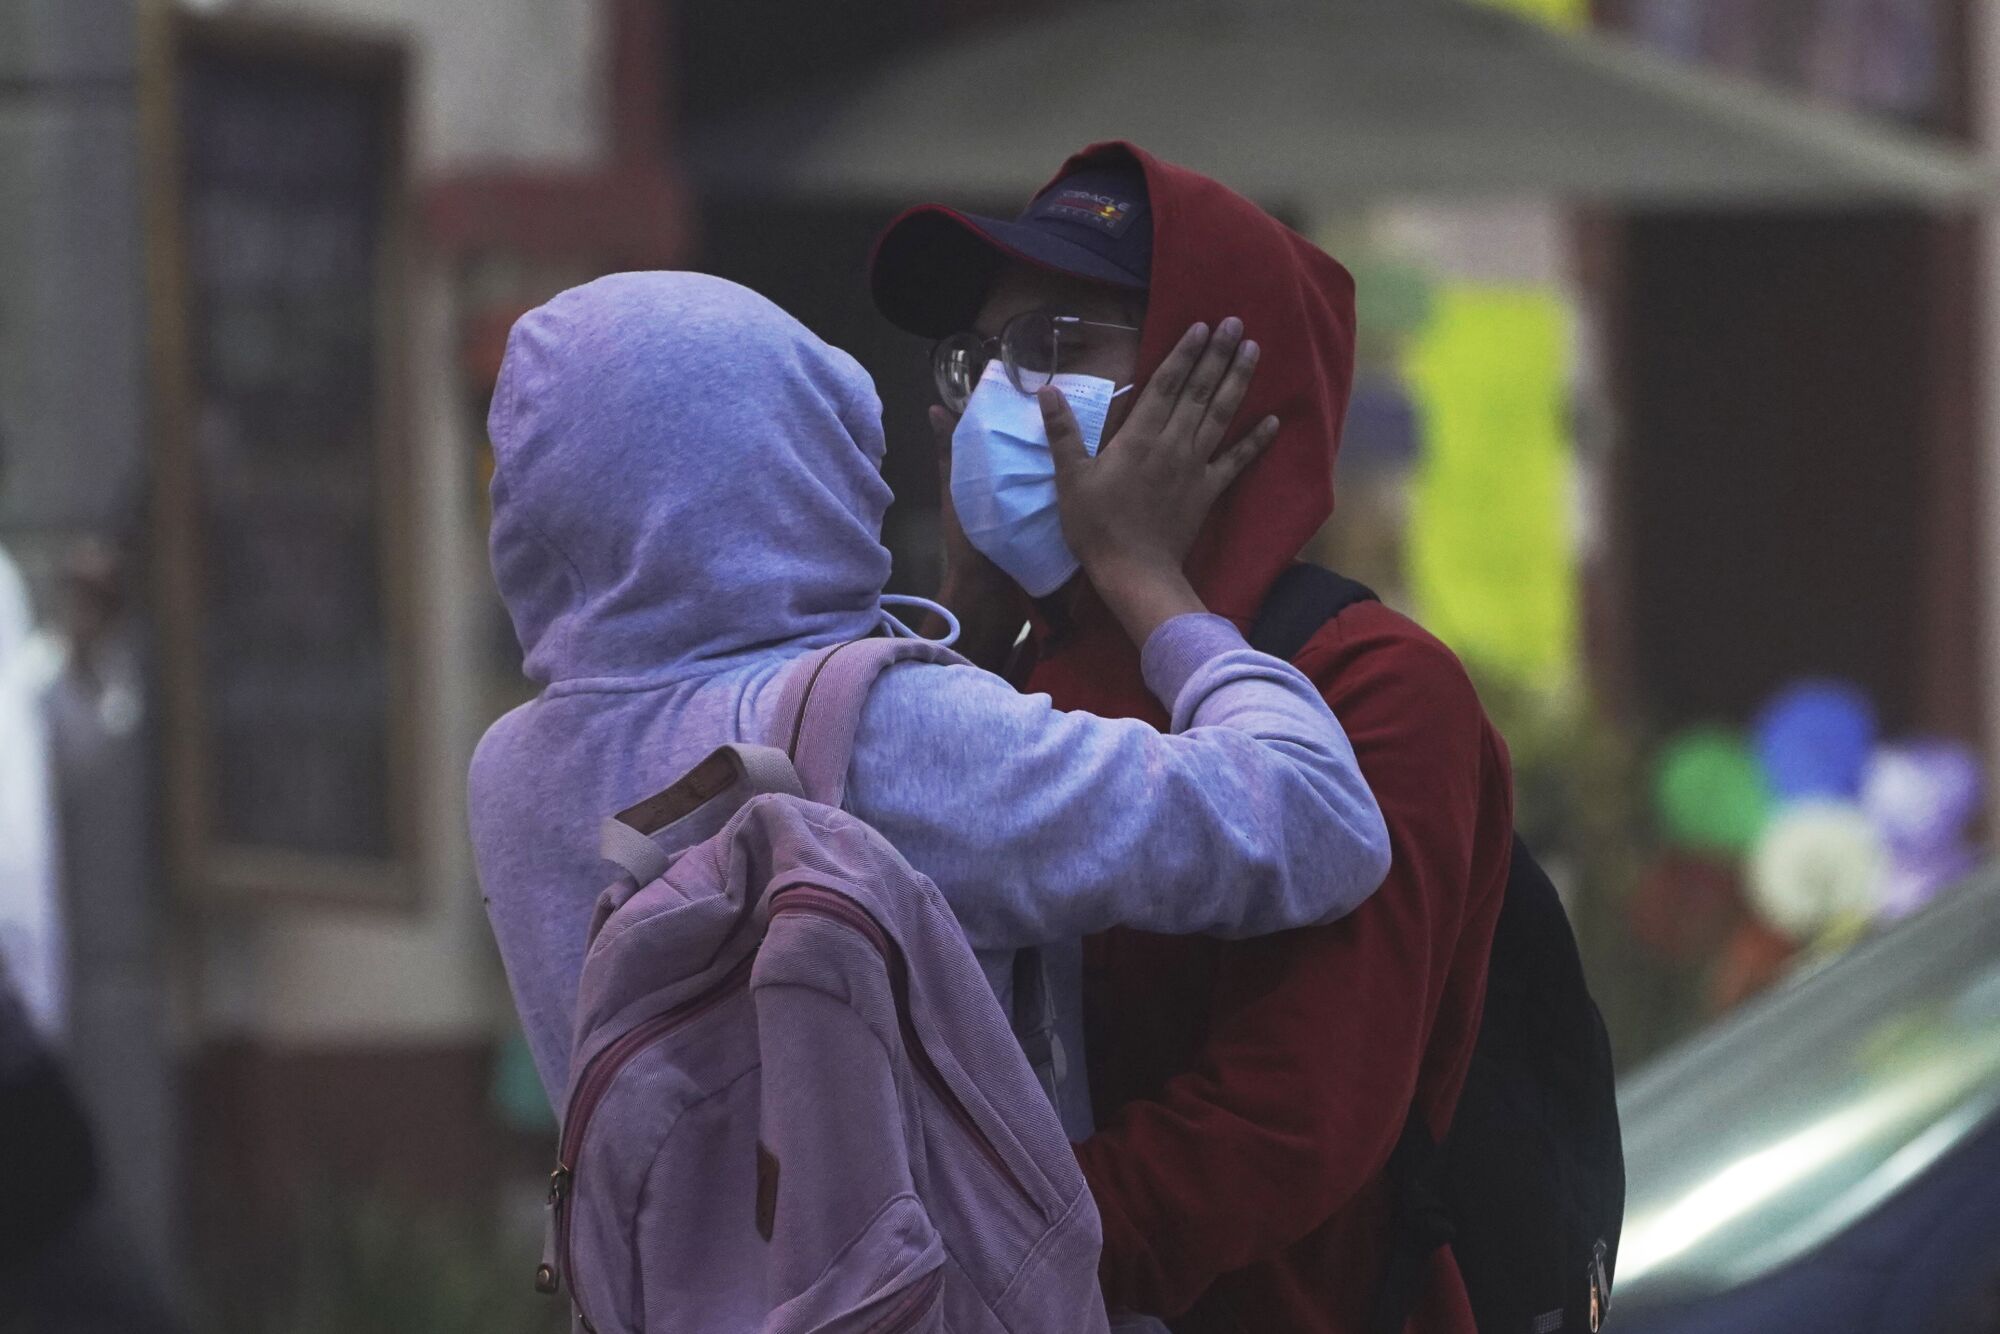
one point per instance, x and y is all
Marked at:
(71, 377)
(499, 83)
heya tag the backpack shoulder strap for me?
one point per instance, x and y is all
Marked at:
(628, 839)
(1034, 1022)
(1420, 1222)
(819, 712)
(1304, 598)
(819, 708)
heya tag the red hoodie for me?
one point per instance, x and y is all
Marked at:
(1250, 1092)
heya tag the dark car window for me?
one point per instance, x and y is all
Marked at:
(1756, 1142)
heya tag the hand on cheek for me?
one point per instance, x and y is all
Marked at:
(1131, 513)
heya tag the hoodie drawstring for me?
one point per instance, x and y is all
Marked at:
(902, 631)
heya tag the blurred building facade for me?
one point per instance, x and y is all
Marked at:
(73, 407)
(245, 1048)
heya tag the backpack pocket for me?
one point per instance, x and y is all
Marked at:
(890, 1279)
(979, 1187)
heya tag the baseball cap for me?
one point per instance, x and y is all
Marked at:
(932, 265)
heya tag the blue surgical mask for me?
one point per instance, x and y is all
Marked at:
(1003, 477)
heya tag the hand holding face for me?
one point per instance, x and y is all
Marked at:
(1142, 500)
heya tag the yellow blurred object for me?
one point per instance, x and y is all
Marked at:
(1491, 554)
(1555, 13)
(1842, 934)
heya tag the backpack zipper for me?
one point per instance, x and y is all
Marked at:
(825, 903)
(603, 1068)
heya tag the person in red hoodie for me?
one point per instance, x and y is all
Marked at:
(1248, 1093)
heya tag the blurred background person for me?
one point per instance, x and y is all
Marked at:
(33, 944)
(66, 1265)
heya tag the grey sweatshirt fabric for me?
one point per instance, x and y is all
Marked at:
(688, 496)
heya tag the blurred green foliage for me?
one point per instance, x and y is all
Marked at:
(1580, 797)
(1583, 802)
(379, 1266)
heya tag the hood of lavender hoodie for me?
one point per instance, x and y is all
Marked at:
(687, 496)
(652, 527)
(686, 481)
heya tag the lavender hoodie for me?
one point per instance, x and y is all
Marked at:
(688, 495)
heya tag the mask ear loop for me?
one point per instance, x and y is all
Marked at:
(902, 631)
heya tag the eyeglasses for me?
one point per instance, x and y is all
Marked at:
(1031, 346)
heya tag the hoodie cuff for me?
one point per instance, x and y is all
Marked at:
(1183, 646)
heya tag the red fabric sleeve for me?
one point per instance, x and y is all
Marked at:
(1318, 1038)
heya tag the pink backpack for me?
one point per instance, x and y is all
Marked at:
(795, 1104)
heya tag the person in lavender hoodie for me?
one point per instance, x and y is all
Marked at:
(688, 496)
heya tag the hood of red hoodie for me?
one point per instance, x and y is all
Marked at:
(1216, 254)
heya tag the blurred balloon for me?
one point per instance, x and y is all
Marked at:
(1818, 863)
(1814, 738)
(1911, 881)
(1710, 792)
(1685, 907)
(1923, 796)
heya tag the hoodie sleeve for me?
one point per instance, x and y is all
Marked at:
(1040, 826)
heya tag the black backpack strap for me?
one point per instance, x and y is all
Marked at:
(1304, 598)
(1034, 1021)
(1420, 1222)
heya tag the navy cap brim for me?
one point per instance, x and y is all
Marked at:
(933, 265)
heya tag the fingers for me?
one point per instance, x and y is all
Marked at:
(1228, 397)
(1163, 390)
(1210, 372)
(1229, 465)
(1065, 438)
